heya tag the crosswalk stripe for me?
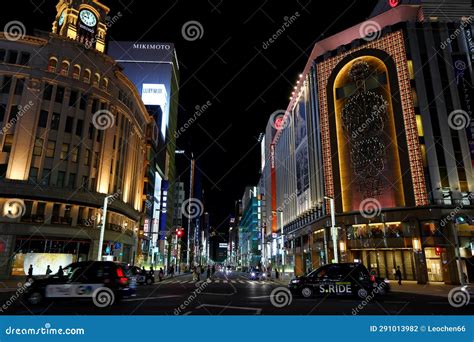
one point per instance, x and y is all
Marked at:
(217, 281)
(233, 281)
(225, 281)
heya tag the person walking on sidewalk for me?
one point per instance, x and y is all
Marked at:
(398, 274)
(30, 273)
(48, 270)
(160, 274)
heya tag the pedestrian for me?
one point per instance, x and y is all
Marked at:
(172, 271)
(195, 274)
(213, 269)
(398, 274)
(48, 270)
(30, 273)
(160, 274)
(60, 271)
(277, 274)
(208, 271)
(152, 271)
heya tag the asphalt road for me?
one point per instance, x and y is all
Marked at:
(235, 294)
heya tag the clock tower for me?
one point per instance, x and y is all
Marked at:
(82, 20)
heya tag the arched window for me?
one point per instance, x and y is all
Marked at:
(105, 84)
(53, 63)
(65, 68)
(87, 76)
(96, 79)
(76, 71)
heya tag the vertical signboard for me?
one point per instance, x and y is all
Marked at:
(273, 184)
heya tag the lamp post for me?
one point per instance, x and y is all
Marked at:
(102, 228)
(333, 227)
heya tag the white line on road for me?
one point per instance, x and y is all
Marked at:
(148, 298)
(257, 311)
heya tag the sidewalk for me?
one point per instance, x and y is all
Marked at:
(11, 284)
(433, 289)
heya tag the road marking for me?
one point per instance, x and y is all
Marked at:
(233, 281)
(217, 294)
(217, 281)
(225, 281)
(257, 311)
(148, 298)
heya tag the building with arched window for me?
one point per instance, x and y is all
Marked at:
(380, 124)
(73, 131)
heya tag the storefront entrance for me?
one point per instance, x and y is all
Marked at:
(384, 262)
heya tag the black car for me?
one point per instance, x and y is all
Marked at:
(341, 279)
(139, 275)
(103, 282)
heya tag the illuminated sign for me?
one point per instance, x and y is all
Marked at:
(222, 245)
(156, 95)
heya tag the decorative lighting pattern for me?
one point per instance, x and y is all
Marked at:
(393, 44)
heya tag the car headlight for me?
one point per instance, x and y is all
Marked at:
(295, 281)
(252, 274)
(386, 281)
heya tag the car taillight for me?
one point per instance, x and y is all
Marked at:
(123, 280)
(120, 272)
(372, 278)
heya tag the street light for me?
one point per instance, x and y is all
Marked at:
(333, 227)
(102, 228)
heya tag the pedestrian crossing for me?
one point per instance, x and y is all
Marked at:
(217, 281)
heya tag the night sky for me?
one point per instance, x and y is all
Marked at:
(228, 66)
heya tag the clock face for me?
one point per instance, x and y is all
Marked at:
(61, 18)
(88, 18)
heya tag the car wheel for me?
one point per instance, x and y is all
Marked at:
(149, 281)
(35, 298)
(307, 292)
